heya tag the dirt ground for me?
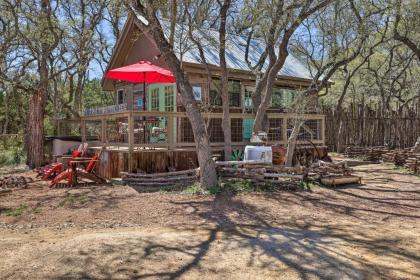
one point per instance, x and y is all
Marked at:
(370, 231)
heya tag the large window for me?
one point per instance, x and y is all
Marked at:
(215, 131)
(236, 130)
(282, 98)
(275, 129)
(234, 89)
(154, 102)
(186, 134)
(214, 95)
(169, 98)
(235, 93)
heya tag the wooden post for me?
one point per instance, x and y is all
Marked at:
(170, 132)
(130, 141)
(103, 131)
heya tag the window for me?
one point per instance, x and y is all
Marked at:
(186, 134)
(120, 96)
(274, 130)
(214, 97)
(154, 102)
(138, 96)
(248, 99)
(169, 98)
(235, 93)
(236, 128)
(282, 98)
(197, 92)
(215, 131)
(310, 130)
(234, 90)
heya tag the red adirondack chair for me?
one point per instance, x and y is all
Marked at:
(51, 170)
(72, 173)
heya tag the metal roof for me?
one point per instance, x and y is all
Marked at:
(235, 50)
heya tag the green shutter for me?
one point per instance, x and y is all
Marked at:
(247, 125)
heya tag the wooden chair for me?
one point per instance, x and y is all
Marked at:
(73, 173)
(51, 170)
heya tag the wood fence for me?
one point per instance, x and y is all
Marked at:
(365, 125)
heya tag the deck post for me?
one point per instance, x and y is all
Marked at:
(130, 141)
(170, 132)
(103, 130)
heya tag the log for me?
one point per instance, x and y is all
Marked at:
(340, 180)
(153, 175)
(244, 162)
(161, 180)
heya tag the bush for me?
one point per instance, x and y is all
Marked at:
(12, 156)
(193, 189)
(11, 152)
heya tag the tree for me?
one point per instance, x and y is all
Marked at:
(283, 19)
(333, 39)
(146, 17)
(407, 24)
(37, 45)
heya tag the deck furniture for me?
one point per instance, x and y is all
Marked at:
(72, 174)
(53, 169)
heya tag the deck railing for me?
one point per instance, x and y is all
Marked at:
(171, 130)
(106, 110)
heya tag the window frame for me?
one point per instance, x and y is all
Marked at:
(154, 99)
(214, 95)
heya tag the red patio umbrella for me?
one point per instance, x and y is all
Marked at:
(141, 72)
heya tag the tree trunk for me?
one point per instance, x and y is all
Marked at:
(291, 142)
(6, 112)
(35, 130)
(35, 120)
(208, 177)
(227, 133)
(416, 148)
(260, 123)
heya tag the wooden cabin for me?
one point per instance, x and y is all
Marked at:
(157, 136)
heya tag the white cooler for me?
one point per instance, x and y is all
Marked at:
(258, 153)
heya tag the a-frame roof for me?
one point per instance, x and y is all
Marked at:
(186, 50)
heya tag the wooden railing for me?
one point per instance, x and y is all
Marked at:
(133, 129)
(106, 110)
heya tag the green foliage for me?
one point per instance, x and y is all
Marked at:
(240, 186)
(193, 189)
(73, 199)
(14, 212)
(237, 154)
(11, 152)
(94, 96)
